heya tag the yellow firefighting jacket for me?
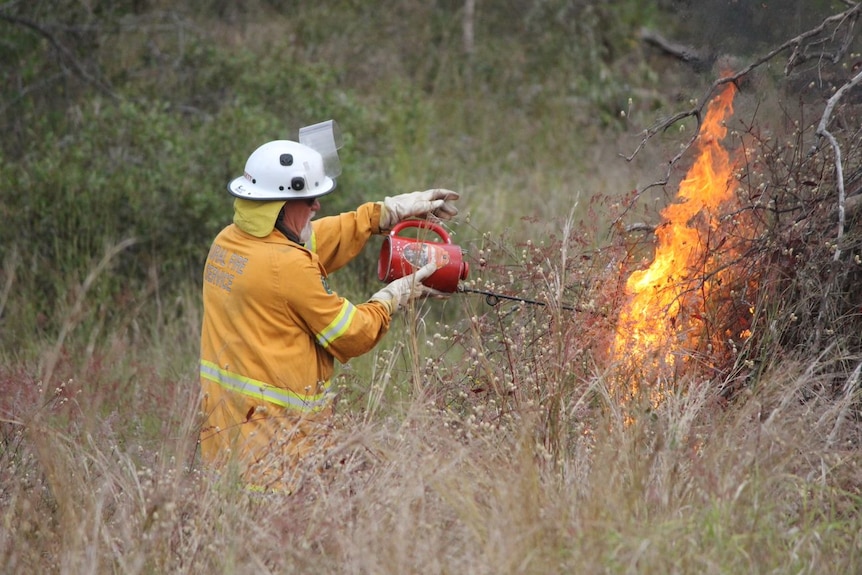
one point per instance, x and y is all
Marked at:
(271, 330)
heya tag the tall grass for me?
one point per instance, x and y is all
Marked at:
(694, 486)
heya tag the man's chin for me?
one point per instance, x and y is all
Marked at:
(305, 234)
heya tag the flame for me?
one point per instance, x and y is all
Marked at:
(665, 300)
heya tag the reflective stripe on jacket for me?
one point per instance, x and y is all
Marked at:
(272, 328)
(263, 391)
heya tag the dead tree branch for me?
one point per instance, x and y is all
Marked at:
(687, 54)
(65, 54)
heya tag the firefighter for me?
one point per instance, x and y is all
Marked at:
(272, 326)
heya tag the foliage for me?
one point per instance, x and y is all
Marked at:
(152, 170)
(158, 109)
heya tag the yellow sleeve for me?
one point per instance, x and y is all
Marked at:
(338, 239)
(343, 329)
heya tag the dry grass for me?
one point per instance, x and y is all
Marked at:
(768, 484)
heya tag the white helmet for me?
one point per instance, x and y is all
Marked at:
(283, 170)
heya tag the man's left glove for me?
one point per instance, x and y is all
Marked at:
(438, 202)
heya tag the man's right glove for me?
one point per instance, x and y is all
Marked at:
(400, 292)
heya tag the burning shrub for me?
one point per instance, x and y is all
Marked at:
(748, 268)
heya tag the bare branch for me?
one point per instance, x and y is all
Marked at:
(798, 57)
(823, 132)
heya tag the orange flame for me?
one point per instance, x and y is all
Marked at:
(662, 302)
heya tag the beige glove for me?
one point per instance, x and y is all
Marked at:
(399, 293)
(438, 202)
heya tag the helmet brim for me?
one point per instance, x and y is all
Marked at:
(241, 187)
